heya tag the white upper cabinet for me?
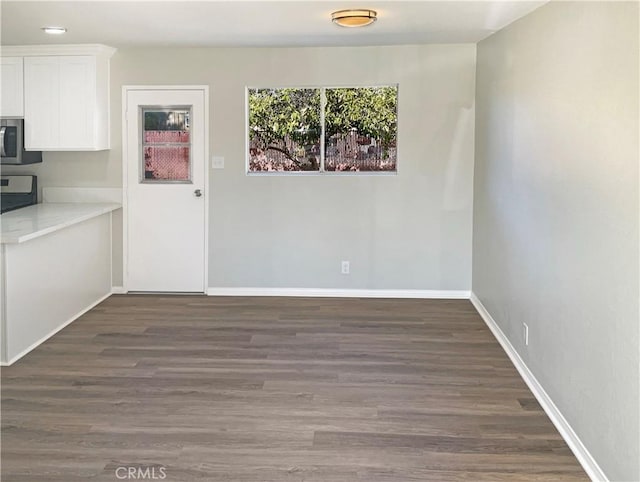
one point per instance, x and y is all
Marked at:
(79, 103)
(61, 106)
(66, 97)
(42, 103)
(11, 85)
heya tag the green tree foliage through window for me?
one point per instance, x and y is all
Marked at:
(166, 120)
(368, 114)
(360, 129)
(285, 121)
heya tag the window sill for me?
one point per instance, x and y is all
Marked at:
(323, 173)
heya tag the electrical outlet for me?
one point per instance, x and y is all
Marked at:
(525, 332)
(345, 267)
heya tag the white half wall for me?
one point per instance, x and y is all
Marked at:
(555, 239)
(51, 280)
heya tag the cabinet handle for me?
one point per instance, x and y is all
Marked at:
(197, 192)
(3, 130)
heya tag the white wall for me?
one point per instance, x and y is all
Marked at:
(555, 240)
(406, 231)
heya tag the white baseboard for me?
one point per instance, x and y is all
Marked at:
(118, 290)
(339, 293)
(581, 452)
(56, 330)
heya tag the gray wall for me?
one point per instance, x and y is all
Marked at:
(406, 231)
(555, 238)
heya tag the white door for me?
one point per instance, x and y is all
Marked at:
(166, 195)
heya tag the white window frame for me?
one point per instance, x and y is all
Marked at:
(323, 101)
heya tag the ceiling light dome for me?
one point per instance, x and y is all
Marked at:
(354, 17)
(54, 30)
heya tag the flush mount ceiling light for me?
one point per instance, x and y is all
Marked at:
(354, 18)
(54, 30)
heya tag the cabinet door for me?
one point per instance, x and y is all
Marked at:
(11, 85)
(41, 102)
(77, 101)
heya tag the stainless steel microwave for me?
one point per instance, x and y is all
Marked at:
(12, 144)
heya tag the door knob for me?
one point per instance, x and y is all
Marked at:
(197, 192)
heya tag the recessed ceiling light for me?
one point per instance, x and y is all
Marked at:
(354, 18)
(54, 30)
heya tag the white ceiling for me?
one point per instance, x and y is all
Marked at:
(253, 23)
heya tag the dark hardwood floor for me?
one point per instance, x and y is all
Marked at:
(275, 389)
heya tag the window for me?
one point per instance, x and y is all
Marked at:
(166, 145)
(346, 129)
(284, 129)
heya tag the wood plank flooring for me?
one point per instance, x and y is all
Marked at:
(275, 389)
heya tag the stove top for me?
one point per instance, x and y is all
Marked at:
(17, 192)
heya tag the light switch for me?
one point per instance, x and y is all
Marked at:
(217, 162)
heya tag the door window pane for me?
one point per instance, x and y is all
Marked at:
(166, 145)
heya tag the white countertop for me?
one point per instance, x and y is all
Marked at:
(34, 221)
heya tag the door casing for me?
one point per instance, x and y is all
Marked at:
(125, 171)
